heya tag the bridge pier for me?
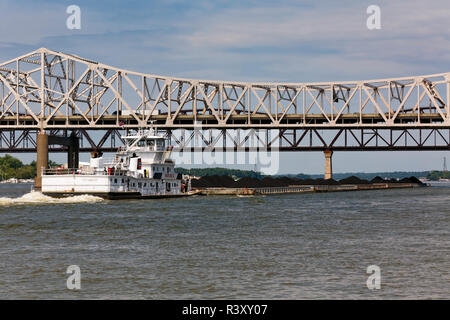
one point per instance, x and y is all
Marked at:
(73, 152)
(328, 164)
(41, 157)
(43, 141)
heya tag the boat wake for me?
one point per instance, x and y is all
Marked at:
(35, 197)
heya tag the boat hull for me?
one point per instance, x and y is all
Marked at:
(118, 195)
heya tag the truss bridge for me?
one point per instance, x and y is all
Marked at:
(60, 94)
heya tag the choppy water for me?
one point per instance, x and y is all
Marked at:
(274, 247)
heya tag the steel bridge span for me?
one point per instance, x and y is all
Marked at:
(65, 95)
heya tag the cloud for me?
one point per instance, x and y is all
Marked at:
(413, 37)
(265, 41)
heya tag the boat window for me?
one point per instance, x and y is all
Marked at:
(160, 143)
(115, 180)
(141, 143)
(123, 181)
(151, 143)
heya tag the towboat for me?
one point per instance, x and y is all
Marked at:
(141, 169)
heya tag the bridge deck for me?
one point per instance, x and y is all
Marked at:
(427, 120)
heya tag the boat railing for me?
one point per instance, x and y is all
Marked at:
(111, 161)
(84, 171)
(54, 171)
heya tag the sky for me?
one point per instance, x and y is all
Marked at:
(279, 41)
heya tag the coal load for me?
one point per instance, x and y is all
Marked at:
(353, 180)
(247, 182)
(323, 182)
(286, 181)
(307, 182)
(216, 181)
(296, 182)
(410, 180)
(332, 182)
(213, 182)
(271, 182)
(378, 179)
(415, 180)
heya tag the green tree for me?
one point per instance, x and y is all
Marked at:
(436, 175)
(11, 167)
(26, 172)
(8, 166)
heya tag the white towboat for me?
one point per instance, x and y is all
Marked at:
(140, 169)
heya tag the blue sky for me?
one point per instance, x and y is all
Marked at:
(295, 41)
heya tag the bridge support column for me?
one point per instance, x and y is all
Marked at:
(328, 164)
(73, 147)
(42, 157)
(73, 152)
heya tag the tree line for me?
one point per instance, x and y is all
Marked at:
(200, 172)
(436, 175)
(11, 167)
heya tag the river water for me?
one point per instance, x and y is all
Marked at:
(295, 246)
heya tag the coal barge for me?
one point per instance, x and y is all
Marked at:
(225, 185)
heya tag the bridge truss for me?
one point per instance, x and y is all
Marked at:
(63, 93)
(311, 139)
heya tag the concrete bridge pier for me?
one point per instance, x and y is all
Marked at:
(41, 158)
(73, 152)
(43, 141)
(328, 164)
